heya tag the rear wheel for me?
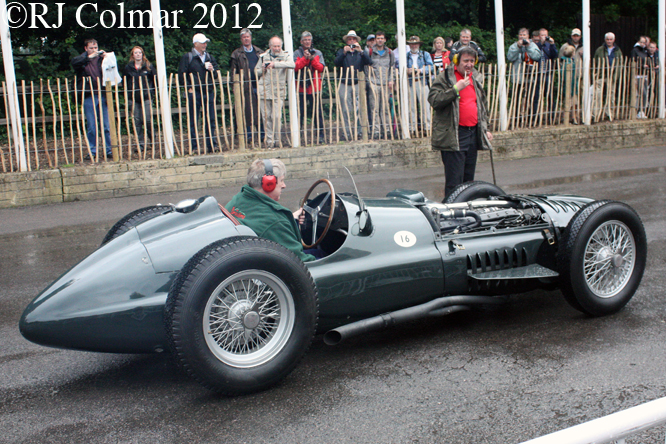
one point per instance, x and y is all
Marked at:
(241, 315)
(602, 257)
(473, 190)
(133, 219)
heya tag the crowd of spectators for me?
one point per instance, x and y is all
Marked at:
(263, 75)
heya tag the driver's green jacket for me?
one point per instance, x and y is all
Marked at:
(268, 219)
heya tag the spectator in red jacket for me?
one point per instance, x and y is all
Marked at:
(309, 68)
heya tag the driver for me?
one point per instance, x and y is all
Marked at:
(257, 206)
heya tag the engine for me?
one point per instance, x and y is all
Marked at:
(484, 215)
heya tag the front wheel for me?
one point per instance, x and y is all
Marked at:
(602, 257)
(241, 315)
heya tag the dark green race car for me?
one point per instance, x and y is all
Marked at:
(238, 311)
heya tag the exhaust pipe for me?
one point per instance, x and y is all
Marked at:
(437, 307)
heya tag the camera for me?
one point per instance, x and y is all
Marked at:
(353, 46)
(526, 42)
(311, 51)
(266, 64)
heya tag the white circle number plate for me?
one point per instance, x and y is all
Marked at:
(404, 239)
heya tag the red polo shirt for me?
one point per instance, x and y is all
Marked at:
(469, 113)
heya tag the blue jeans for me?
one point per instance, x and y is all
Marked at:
(91, 110)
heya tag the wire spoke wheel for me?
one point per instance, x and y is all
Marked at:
(248, 318)
(610, 256)
(601, 257)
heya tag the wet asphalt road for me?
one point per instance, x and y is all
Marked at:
(516, 372)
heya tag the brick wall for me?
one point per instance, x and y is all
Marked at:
(158, 176)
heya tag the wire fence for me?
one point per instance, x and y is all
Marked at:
(222, 112)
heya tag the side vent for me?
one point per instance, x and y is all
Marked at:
(496, 260)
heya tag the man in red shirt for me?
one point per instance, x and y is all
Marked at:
(460, 123)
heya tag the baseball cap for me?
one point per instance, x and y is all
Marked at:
(200, 38)
(370, 37)
(576, 31)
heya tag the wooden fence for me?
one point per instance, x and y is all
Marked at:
(219, 114)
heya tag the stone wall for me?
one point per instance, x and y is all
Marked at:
(108, 180)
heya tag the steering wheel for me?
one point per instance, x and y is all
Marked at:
(314, 212)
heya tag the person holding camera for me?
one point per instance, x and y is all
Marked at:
(310, 62)
(523, 51)
(271, 72)
(352, 59)
(88, 68)
(197, 71)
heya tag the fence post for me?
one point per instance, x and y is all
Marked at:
(634, 90)
(363, 105)
(239, 110)
(112, 121)
(567, 94)
(11, 91)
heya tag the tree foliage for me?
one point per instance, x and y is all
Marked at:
(44, 53)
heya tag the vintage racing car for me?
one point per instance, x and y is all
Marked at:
(238, 312)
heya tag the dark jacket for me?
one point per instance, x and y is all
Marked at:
(239, 62)
(268, 219)
(638, 52)
(445, 101)
(140, 80)
(191, 63)
(88, 69)
(457, 45)
(356, 60)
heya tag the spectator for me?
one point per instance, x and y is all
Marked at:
(244, 60)
(466, 40)
(370, 42)
(570, 58)
(140, 77)
(440, 55)
(448, 44)
(639, 55)
(419, 70)
(536, 38)
(310, 62)
(352, 59)
(576, 41)
(639, 51)
(522, 51)
(461, 118)
(652, 62)
(548, 49)
(548, 54)
(88, 68)
(607, 52)
(381, 82)
(197, 72)
(271, 71)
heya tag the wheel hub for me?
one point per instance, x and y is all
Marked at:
(251, 320)
(617, 260)
(238, 310)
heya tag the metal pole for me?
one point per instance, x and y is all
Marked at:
(162, 82)
(587, 105)
(501, 65)
(12, 93)
(662, 58)
(291, 81)
(402, 68)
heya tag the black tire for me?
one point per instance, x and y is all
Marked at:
(250, 349)
(473, 190)
(133, 219)
(602, 257)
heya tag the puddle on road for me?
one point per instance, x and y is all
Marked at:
(589, 177)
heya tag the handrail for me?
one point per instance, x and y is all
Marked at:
(614, 427)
